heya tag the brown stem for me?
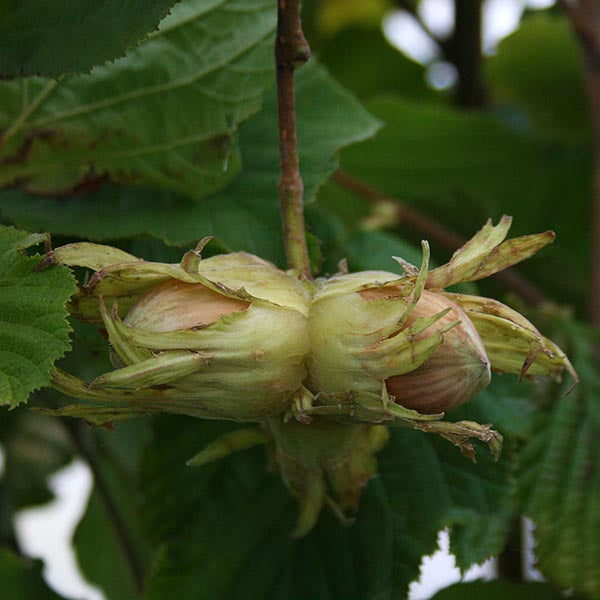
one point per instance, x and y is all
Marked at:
(434, 230)
(585, 21)
(291, 51)
(120, 528)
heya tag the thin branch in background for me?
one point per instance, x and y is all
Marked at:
(411, 9)
(462, 49)
(73, 429)
(585, 21)
(434, 230)
(291, 51)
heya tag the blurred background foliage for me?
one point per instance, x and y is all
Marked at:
(178, 140)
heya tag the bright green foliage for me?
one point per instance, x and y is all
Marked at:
(33, 329)
(561, 476)
(51, 38)
(164, 115)
(244, 215)
(22, 579)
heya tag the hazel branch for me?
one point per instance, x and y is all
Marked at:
(291, 51)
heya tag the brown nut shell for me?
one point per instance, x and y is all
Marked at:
(454, 373)
(174, 305)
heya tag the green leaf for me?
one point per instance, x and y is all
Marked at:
(50, 38)
(98, 541)
(375, 249)
(22, 578)
(99, 555)
(34, 447)
(212, 523)
(499, 590)
(560, 478)
(428, 150)
(506, 403)
(430, 486)
(243, 216)
(226, 526)
(363, 61)
(534, 66)
(328, 119)
(33, 329)
(164, 115)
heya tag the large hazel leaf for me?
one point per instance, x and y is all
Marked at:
(430, 485)
(51, 38)
(165, 115)
(560, 478)
(245, 214)
(427, 149)
(226, 526)
(33, 328)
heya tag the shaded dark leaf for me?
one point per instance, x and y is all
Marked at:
(22, 578)
(499, 590)
(51, 38)
(534, 66)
